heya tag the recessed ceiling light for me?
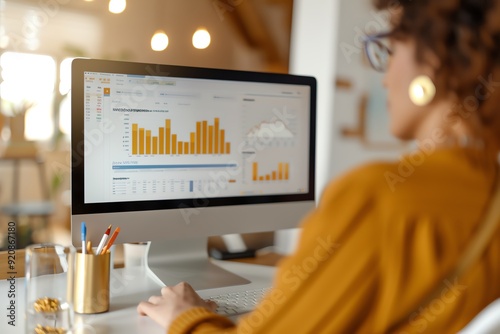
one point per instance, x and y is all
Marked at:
(117, 6)
(201, 38)
(159, 41)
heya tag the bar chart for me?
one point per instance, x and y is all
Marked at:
(206, 138)
(280, 174)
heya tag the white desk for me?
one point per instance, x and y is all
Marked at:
(129, 286)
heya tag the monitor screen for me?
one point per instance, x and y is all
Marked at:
(170, 151)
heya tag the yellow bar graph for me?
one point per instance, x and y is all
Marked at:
(204, 135)
(205, 138)
(148, 141)
(134, 138)
(282, 173)
(210, 139)
(174, 144)
(161, 140)
(155, 145)
(198, 137)
(167, 137)
(222, 139)
(216, 135)
(192, 141)
(141, 140)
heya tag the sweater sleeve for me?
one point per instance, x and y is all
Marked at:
(201, 320)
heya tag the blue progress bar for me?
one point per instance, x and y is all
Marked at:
(174, 166)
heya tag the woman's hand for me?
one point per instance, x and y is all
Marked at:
(172, 302)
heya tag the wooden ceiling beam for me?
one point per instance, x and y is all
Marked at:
(250, 24)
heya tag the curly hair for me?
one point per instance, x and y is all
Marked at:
(465, 37)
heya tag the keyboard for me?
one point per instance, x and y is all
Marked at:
(237, 303)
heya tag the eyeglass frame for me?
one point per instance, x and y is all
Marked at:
(375, 38)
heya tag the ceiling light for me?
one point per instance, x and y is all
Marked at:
(117, 6)
(201, 38)
(159, 41)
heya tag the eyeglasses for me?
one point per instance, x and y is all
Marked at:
(378, 51)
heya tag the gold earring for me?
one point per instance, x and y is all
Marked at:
(422, 90)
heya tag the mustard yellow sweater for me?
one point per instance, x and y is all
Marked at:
(382, 238)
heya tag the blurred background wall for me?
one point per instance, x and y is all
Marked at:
(38, 39)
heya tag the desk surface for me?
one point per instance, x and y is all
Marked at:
(129, 286)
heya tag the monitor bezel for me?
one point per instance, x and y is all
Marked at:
(80, 66)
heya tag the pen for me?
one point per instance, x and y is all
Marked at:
(84, 237)
(103, 240)
(111, 241)
(89, 248)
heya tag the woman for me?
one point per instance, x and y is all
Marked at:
(398, 228)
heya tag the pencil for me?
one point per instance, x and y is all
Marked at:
(111, 241)
(103, 240)
(89, 248)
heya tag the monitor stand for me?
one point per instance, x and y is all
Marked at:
(174, 261)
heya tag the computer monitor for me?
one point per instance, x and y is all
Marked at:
(174, 154)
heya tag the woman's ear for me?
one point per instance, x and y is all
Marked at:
(432, 59)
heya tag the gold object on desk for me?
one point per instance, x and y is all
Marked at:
(91, 290)
(49, 288)
(46, 305)
(48, 330)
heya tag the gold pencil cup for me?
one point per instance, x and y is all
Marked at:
(91, 289)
